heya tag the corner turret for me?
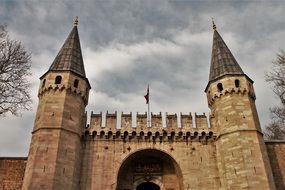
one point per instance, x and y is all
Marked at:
(241, 152)
(223, 65)
(67, 69)
(54, 161)
(227, 79)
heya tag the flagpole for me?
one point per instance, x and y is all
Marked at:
(147, 102)
(148, 106)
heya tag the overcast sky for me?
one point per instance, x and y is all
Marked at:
(128, 44)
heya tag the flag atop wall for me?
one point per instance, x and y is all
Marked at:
(147, 95)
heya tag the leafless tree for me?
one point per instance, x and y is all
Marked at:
(273, 131)
(276, 129)
(15, 64)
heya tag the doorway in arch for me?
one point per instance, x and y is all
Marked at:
(149, 169)
(148, 186)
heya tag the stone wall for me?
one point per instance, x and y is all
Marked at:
(276, 154)
(104, 157)
(99, 155)
(108, 148)
(12, 172)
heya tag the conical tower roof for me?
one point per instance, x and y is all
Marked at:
(223, 61)
(69, 57)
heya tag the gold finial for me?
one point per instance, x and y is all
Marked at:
(214, 26)
(75, 23)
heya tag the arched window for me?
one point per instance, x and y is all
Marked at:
(75, 84)
(57, 80)
(237, 83)
(44, 83)
(220, 87)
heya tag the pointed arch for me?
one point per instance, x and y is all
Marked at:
(163, 157)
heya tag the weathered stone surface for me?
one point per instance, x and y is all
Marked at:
(276, 153)
(241, 154)
(188, 156)
(12, 172)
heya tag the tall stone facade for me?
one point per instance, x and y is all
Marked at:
(224, 151)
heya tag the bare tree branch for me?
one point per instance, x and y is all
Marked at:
(15, 64)
(276, 129)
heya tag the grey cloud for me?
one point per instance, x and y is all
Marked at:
(253, 30)
(15, 135)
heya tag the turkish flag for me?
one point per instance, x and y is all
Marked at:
(147, 95)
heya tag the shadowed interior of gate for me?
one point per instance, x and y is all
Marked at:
(148, 186)
(149, 169)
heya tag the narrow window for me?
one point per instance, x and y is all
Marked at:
(44, 83)
(57, 80)
(75, 84)
(237, 83)
(220, 87)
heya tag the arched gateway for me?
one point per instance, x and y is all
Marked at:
(149, 169)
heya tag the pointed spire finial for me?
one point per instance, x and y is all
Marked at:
(222, 61)
(69, 57)
(214, 25)
(75, 23)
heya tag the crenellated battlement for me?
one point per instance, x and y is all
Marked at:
(242, 91)
(169, 126)
(61, 87)
(229, 85)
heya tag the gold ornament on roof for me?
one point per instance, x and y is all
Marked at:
(214, 25)
(75, 23)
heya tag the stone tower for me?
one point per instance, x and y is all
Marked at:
(242, 159)
(55, 152)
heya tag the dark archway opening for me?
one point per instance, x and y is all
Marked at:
(148, 186)
(145, 169)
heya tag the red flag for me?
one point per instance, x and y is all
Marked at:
(147, 95)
